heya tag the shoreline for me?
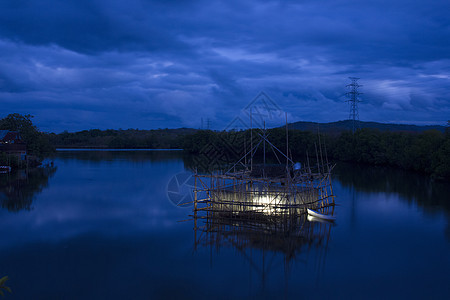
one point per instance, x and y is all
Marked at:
(114, 149)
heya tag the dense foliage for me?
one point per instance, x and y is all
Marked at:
(121, 139)
(427, 152)
(37, 142)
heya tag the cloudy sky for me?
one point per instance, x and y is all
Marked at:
(82, 64)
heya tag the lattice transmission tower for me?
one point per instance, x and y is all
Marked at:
(353, 99)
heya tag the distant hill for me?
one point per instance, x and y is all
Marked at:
(339, 126)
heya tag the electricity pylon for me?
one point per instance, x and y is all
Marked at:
(353, 99)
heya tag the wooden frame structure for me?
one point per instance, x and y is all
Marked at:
(258, 207)
(249, 191)
(265, 206)
(241, 195)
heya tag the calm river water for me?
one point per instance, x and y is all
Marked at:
(100, 225)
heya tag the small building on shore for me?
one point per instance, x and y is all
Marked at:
(12, 143)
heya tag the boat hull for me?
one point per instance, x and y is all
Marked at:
(319, 215)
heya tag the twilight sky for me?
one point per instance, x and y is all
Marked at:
(83, 64)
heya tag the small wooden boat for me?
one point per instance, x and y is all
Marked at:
(319, 215)
(315, 219)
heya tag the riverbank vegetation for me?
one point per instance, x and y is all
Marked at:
(426, 152)
(121, 139)
(37, 143)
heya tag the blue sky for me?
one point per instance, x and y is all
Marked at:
(83, 64)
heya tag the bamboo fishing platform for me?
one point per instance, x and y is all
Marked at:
(268, 213)
(264, 205)
(241, 195)
(266, 191)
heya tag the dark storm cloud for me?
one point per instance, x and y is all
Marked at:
(86, 26)
(149, 64)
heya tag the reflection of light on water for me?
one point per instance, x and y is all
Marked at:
(289, 237)
(264, 216)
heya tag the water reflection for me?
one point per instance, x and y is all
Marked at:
(415, 188)
(113, 221)
(18, 189)
(98, 155)
(291, 237)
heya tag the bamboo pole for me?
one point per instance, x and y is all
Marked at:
(251, 140)
(287, 145)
